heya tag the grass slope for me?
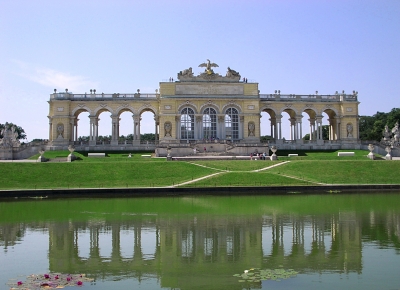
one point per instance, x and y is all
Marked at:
(342, 172)
(97, 175)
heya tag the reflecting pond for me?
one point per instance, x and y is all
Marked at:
(326, 241)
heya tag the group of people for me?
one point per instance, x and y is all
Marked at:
(245, 80)
(260, 156)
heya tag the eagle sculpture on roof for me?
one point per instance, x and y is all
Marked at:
(208, 65)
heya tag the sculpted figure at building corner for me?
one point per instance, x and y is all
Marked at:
(232, 73)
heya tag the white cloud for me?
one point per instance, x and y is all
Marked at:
(55, 79)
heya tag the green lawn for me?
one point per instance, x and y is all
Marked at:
(236, 165)
(117, 170)
(97, 174)
(247, 179)
(343, 172)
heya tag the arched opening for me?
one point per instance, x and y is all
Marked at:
(231, 124)
(288, 125)
(104, 125)
(81, 130)
(209, 124)
(331, 123)
(309, 125)
(187, 124)
(268, 128)
(126, 127)
(148, 126)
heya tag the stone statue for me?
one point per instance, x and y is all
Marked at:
(232, 73)
(386, 133)
(349, 130)
(60, 130)
(251, 129)
(396, 132)
(167, 128)
(10, 137)
(208, 65)
(187, 72)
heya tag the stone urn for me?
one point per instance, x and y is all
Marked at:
(71, 157)
(371, 155)
(388, 150)
(41, 157)
(273, 156)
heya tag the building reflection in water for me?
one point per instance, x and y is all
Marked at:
(167, 248)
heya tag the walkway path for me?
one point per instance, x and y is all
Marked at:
(222, 171)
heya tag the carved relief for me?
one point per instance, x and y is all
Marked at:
(252, 128)
(60, 131)
(167, 129)
(349, 128)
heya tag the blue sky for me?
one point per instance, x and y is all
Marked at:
(296, 46)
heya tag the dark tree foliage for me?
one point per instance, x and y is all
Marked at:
(372, 127)
(20, 131)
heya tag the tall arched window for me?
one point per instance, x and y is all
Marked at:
(231, 124)
(209, 124)
(187, 124)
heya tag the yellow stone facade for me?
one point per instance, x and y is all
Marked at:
(190, 111)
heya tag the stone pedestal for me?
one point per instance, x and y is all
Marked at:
(41, 159)
(371, 156)
(274, 157)
(388, 156)
(71, 157)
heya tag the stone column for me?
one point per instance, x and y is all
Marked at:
(134, 128)
(92, 138)
(319, 127)
(156, 122)
(198, 127)
(279, 125)
(299, 128)
(221, 130)
(293, 129)
(241, 126)
(76, 129)
(50, 130)
(178, 132)
(331, 127)
(312, 128)
(337, 127)
(71, 129)
(114, 131)
(273, 127)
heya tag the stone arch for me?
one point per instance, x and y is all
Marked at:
(147, 108)
(290, 110)
(231, 105)
(330, 111)
(209, 104)
(77, 110)
(122, 109)
(271, 111)
(101, 109)
(310, 110)
(187, 104)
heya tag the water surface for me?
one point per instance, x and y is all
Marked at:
(332, 241)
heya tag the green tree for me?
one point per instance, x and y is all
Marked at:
(148, 137)
(18, 129)
(372, 127)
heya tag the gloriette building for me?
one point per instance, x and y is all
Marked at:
(208, 108)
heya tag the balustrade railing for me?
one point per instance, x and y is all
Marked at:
(92, 96)
(309, 98)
